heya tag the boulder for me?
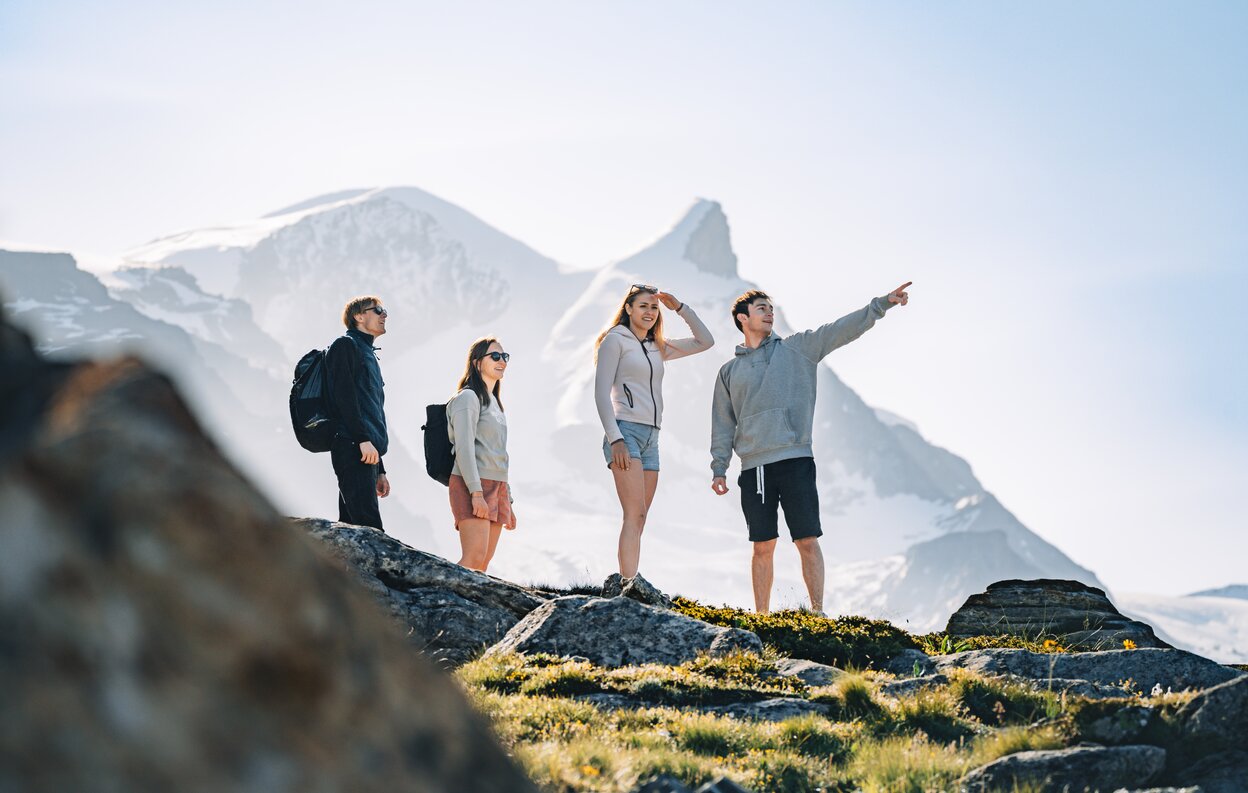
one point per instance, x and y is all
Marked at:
(1083, 768)
(1144, 668)
(620, 632)
(908, 662)
(1081, 616)
(812, 673)
(163, 628)
(909, 686)
(450, 612)
(1213, 734)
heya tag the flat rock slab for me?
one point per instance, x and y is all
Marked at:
(776, 709)
(620, 632)
(449, 611)
(1080, 768)
(1171, 669)
(1082, 615)
(812, 673)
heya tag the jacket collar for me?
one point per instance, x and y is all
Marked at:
(626, 331)
(771, 339)
(360, 335)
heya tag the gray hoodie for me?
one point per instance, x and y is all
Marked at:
(764, 405)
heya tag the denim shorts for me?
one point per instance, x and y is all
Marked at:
(642, 442)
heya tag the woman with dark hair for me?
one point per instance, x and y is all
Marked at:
(480, 496)
(629, 357)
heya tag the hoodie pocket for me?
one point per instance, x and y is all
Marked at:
(628, 394)
(770, 429)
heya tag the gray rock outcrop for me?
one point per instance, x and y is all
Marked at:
(452, 612)
(774, 709)
(163, 628)
(1080, 768)
(1144, 668)
(637, 588)
(1213, 742)
(1081, 615)
(619, 632)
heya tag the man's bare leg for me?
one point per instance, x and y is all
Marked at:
(762, 571)
(812, 570)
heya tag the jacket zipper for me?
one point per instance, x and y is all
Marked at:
(650, 363)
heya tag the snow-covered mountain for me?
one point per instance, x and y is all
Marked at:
(1215, 626)
(71, 313)
(884, 490)
(910, 530)
(1238, 591)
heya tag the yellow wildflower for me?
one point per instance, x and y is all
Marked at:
(589, 770)
(1127, 644)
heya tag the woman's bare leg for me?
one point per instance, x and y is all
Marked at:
(630, 486)
(496, 529)
(474, 543)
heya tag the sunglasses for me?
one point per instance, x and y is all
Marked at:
(378, 310)
(498, 356)
(644, 288)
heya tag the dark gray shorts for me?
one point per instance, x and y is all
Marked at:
(789, 484)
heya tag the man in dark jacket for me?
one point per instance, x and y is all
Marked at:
(357, 400)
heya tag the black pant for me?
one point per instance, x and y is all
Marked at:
(357, 485)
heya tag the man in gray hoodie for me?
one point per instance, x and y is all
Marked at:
(764, 410)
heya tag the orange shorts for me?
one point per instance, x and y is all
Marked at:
(497, 499)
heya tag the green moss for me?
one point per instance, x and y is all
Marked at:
(844, 641)
(944, 644)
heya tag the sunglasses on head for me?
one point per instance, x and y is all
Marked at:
(644, 288)
(498, 356)
(378, 310)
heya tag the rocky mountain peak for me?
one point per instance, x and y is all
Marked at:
(710, 245)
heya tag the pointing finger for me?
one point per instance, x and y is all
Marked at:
(903, 286)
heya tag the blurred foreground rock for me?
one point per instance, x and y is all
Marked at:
(1081, 617)
(162, 628)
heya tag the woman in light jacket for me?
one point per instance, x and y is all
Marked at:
(479, 493)
(629, 357)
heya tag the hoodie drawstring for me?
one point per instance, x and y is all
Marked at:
(761, 478)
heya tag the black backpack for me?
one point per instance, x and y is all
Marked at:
(309, 403)
(439, 451)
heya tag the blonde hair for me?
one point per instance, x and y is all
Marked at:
(621, 318)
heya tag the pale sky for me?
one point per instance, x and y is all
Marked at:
(1065, 184)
